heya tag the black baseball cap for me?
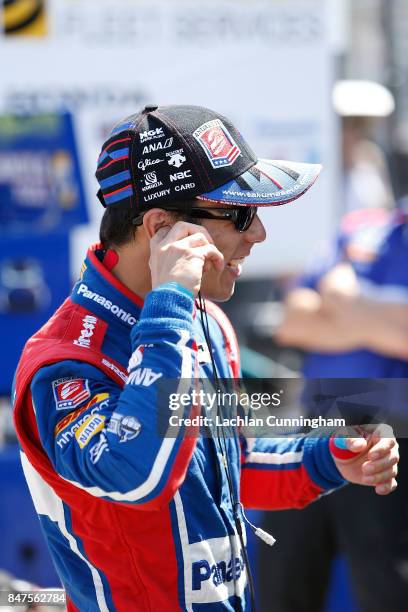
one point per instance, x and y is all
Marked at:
(168, 154)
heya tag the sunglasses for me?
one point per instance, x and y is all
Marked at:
(241, 216)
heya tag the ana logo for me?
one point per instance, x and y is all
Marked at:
(143, 376)
(150, 178)
(158, 146)
(70, 392)
(217, 142)
(88, 326)
(125, 427)
(151, 134)
(176, 159)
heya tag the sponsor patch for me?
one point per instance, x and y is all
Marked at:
(95, 453)
(87, 430)
(115, 369)
(100, 400)
(70, 392)
(217, 142)
(143, 376)
(88, 325)
(137, 356)
(125, 427)
(123, 315)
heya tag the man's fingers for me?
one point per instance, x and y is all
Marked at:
(161, 234)
(385, 489)
(193, 240)
(381, 448)
(210, 253)
(356, 445)
(373, 467)
(181, 230)
(381, 477)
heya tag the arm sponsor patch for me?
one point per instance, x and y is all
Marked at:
(70, 392)
(97, 402)
(87, 430)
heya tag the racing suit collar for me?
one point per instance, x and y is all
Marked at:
(101, 292)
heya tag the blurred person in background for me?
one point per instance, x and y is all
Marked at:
(366, 181)
(363, 107)
(350, 316)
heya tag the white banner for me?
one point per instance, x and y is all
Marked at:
(266, 65)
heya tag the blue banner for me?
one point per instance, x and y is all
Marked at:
(34, 281)
(41, 189)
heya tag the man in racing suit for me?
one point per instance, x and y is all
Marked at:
(134, 519)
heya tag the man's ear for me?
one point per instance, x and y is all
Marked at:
(154, 219)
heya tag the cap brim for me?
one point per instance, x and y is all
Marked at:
(267, 183)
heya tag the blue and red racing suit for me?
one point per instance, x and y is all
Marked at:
(135, 520)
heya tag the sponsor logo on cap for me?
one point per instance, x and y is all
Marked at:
(70, 392)
(184, 186)
(145, 163)
(176, 158)
(179, 176)
(156, 194)
(151, 134)
(158, 146)
(217, 142)
(150, 178)
(151, 181)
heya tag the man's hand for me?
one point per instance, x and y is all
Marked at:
(182, 253)
(375, 460)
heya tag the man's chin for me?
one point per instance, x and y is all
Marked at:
(221, 294)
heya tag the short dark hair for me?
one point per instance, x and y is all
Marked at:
(117, 228)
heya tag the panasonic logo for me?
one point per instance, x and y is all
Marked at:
(108, 304)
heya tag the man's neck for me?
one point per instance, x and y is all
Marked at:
(133, 269)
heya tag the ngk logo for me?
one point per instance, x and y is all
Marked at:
(150, 134)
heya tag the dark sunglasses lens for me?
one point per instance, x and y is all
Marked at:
(245, 217)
